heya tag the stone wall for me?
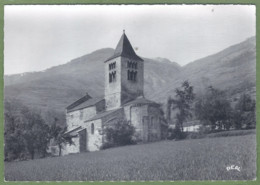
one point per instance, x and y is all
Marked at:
(77, 118)
(113, 89)
(123, 90)
(70, 149)
(146, 120)
(94, 139)
(135, 115)
(131, 89)
(101, 106)
(155, 125)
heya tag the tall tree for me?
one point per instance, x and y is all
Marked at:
(182, 102)
(14, 143)
(214, 109)
(35, 132)
(25, 132)
(244, 113)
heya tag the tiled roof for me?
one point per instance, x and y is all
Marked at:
(141, 100)
(191, 123)
(78, 102)
(103, 114)
(124, 49)
(85, 103)
(73, 130)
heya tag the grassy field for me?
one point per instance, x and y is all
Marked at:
(198, 159)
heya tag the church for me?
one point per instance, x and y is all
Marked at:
(123, 100)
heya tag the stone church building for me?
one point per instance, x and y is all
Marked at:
(124, 100)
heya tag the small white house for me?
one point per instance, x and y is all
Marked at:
(191, 126)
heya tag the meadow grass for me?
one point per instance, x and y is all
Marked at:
(199, 159)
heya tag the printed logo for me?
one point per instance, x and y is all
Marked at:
(233, 167)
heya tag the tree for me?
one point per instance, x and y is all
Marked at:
(59, 135)
(119, 133)
(35, 132)
(14, 143)
(244, 113)
(25, 132)
(214, 109)
(182, 103)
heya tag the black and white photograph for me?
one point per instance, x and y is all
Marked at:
(130, 92)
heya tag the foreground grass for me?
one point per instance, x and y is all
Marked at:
(200, 159)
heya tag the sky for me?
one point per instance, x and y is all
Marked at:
(37, 37)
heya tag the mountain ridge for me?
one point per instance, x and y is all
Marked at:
(54, 89)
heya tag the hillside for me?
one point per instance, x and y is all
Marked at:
(55, 88)
(232, 69)
(59, 86)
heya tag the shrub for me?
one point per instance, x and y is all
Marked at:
(195, 135)
(200, 135)
(176, 134)
(214, 109)
(204, 129)
(119, 133)
(232, 133)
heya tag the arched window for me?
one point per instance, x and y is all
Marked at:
(110, 77)
(92, 128)
(131, 75)
(114, 76)
(135, 73)
(152, 122)
(128, 75)
(81, 114)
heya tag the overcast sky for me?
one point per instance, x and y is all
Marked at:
(40, 36)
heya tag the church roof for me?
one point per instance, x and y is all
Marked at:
(78, 102)
(141, 100)
(103, 114)
(84, 103)
(124, 49)
(72, 130)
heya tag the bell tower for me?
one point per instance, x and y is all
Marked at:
(124, 75)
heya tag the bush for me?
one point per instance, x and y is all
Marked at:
(176, 134)
(214, 109)
(195, 135)
(200, 135)
(119, 133)
(26, 134)
(107, 145)
(232, 133)
(204, 129)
